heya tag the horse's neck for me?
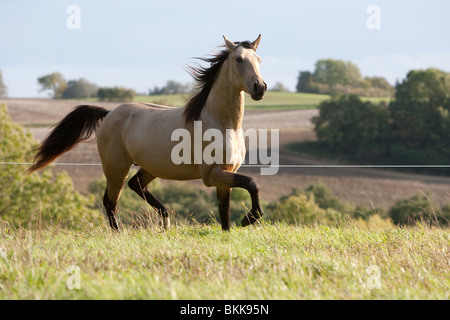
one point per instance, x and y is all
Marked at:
(225, 104)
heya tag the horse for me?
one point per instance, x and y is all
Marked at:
(141, 134)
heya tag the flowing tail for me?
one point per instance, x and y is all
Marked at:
(76, 127)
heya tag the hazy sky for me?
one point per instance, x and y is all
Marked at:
(142, 44)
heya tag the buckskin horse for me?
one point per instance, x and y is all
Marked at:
(140, 134)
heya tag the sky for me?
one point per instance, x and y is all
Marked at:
(143, 44)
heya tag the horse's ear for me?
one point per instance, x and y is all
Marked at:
(229, 43)
(256, 42)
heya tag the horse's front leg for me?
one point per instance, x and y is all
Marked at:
(219, 177)
(223, 196)
(138, 183)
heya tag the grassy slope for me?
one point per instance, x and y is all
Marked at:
(202, 262)
(272, 100)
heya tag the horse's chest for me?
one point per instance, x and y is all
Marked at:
(235, 147)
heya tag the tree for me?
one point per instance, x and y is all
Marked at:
(419, 208)
(350, 125)
(420, 110)
(77, 89)
(301, 208)
(54, 82)
(279, 87)
(3, 87)
(338, 76)
(116, 94)
(377, 87)
(32, 199)
(171, 87)
(305, 83)
(333, 72)
(379, 82)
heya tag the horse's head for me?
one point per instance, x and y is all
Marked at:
(244, 66)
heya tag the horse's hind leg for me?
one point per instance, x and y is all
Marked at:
(115, 179)
(138, 183)
(111, 198)
(111, 208)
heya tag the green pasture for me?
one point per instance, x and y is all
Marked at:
(272, 100)
(266, 261)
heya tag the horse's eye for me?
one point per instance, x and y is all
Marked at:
(239, 59)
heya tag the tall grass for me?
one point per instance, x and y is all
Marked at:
(190, 261)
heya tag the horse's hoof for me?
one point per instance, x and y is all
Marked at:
(250, 218)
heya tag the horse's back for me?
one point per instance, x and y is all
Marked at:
(142, 134)
(132, 117)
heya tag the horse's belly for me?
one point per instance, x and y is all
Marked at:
(159, 163)
(172, 171)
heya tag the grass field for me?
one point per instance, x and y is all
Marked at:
(272, 100)
(267, 261)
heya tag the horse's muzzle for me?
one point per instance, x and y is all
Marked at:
(259, 89)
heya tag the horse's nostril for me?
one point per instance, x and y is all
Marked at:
(256, 87)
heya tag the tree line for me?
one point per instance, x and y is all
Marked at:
(337, 76)
(82, 89)
(412, 129)
(60, 88)
(330, 76)
(172, 87)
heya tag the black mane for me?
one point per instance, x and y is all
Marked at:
(205, 78)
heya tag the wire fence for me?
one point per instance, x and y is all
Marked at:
(387, 166)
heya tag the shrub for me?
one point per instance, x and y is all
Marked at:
(348, 124)
(325, 198)
(338, 76)
(420, 116)
(419, 208)
(116, 94)
(301, 208)
(78, 89)
(32, 199)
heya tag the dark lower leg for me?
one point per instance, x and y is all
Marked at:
(223, 178)
(256, 212)
(110, 208)
(223, 195)
(138, 183)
